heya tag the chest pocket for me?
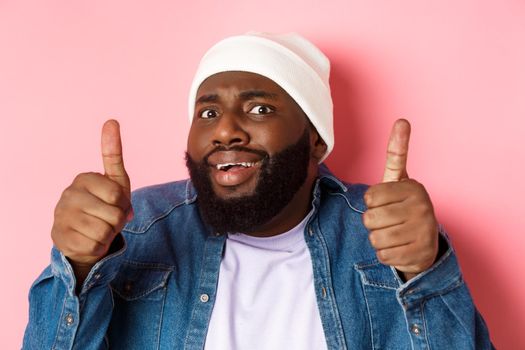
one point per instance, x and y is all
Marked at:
(386, 314)
(139, 293)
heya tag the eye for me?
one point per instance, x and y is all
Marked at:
(208, 113)
(261, 109)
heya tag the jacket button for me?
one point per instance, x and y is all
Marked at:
(69, 319)
(204, 298)
(415, 329)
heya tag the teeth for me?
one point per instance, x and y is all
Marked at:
(227, 165)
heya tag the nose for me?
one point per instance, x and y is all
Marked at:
(229, 131)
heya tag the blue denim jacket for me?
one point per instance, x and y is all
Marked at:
(158, 291)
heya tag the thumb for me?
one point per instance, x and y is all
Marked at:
(112, 154)
(397, 152)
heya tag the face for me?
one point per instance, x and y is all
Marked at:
(250, 150)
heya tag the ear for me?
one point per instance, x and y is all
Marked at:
(317, 145)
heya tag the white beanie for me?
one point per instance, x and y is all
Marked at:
(291, 61)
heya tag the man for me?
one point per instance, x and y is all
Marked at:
(263, 248)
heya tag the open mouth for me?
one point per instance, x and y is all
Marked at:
(234, 173)
(228, 166)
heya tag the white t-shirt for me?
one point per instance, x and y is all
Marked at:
(265, 295)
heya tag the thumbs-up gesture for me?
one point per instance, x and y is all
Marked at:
(400, 216)
(94, 208)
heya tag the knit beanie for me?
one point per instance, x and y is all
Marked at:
(291, 61)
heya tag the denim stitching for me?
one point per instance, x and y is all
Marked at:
(188, 192)
(336, 180)
(335, 310)
(165, 270)
(148, 225)
(455, 315)
(425, 324)
(205, 254)
(446, 290)
(396, 276)
(106, 341)
(59, 323)
(366, 281)
(147, 265)
(380, 285)
(366, 264)
(140, 295)
(161, 318)
(369, 314)
(347, 201)
(407, 323)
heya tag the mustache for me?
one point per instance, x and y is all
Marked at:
(264, 155)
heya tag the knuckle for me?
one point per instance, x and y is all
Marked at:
(431, 227)
(368, 218)
(94, 248)
(394, 233)
(79, 178)
(59, 211)
(383, 256)
(82, 178)
(414, 183)
(421, 208)
(105, 233)
(67, 194)
(100, 233)
(368, 197)
(119, 216)
(114, 194)
(372, 237)
(56, 236)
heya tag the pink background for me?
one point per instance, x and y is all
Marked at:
(454, 68)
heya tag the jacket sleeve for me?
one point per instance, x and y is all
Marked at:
(439, 309)
(60, 319)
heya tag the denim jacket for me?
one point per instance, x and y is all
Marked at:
(158, 291)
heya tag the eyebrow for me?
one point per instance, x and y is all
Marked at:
(245, 95)
(207, 98)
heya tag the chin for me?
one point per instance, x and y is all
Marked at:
(238, 191)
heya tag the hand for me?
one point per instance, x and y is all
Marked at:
(94, 208)
(400, 216)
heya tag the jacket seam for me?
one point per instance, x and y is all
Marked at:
(161, 317)
(333, 304)
(424, 321)
(59, 323)
(347, 202)
(154, 220)
(445, 290)
(369, 314)
(205, 253)
(456, 316)
(157, 286)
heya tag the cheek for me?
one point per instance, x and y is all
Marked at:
(198, 140)
(274, 139)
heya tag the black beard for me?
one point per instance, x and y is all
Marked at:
(280, 178)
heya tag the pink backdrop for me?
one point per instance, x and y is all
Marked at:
(454, 68)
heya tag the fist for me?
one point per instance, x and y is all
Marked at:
(94, 208)
(400, 216)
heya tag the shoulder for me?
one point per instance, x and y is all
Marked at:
(155, 202)
(351, 193)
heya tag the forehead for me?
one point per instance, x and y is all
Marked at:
(240, 81)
